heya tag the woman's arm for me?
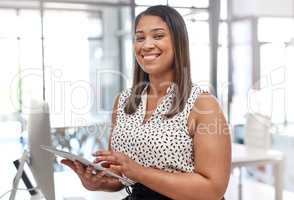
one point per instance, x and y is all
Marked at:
(212, 149)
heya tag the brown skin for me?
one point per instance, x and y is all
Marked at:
(206, 124)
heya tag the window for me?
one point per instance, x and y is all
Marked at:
(73, 48)
(20, 49)
(199, 50)
(222, 59)
(223, 66)
(276, 36)
(79, 58)
(263, 53)
(8, 61)
(242, 58)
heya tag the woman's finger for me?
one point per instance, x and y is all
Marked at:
(69, 163)
(79, 168)
(102, 153)
(109, 159)
(100, 174)
(116, 168)
(105, 163)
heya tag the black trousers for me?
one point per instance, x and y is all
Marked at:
(141, 192)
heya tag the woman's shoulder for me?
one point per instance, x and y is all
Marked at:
(204, 100)
(206, 104)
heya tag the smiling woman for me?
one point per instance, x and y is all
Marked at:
(160, 33)
(161, 127)
(153, 45)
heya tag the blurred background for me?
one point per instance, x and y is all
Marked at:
(77, 56)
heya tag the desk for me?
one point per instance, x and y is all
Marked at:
(243, 157)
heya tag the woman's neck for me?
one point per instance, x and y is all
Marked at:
(158, 87)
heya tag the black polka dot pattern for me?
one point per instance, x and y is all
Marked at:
(160, 142)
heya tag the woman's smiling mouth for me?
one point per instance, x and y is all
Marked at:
(150, 57)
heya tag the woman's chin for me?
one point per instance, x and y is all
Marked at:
(150, 69)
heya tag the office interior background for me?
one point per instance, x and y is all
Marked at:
(77, 56)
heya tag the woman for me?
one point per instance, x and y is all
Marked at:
(167, 135)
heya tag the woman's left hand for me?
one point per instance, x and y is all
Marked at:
(120, 163)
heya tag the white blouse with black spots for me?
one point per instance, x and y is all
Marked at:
(159, 142)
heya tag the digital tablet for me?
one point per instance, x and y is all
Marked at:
(86, 162)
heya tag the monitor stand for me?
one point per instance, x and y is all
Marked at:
(19, 174)
(24, 158)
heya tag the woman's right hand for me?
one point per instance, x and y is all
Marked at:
(93, 182)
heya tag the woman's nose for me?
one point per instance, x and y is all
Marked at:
(148, 44)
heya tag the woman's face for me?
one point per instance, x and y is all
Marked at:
(153, 45)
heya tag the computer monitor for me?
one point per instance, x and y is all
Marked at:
(41, 162)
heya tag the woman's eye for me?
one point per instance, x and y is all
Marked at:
(157, 37)
(139, 39)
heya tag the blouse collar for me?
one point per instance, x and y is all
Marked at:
(168, 90)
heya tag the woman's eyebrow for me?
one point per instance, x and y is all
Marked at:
(152, 30)
(157, 29)
(139, 31)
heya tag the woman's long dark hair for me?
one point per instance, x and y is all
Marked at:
(181, 63)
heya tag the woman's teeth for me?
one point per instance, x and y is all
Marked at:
(150, 57)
